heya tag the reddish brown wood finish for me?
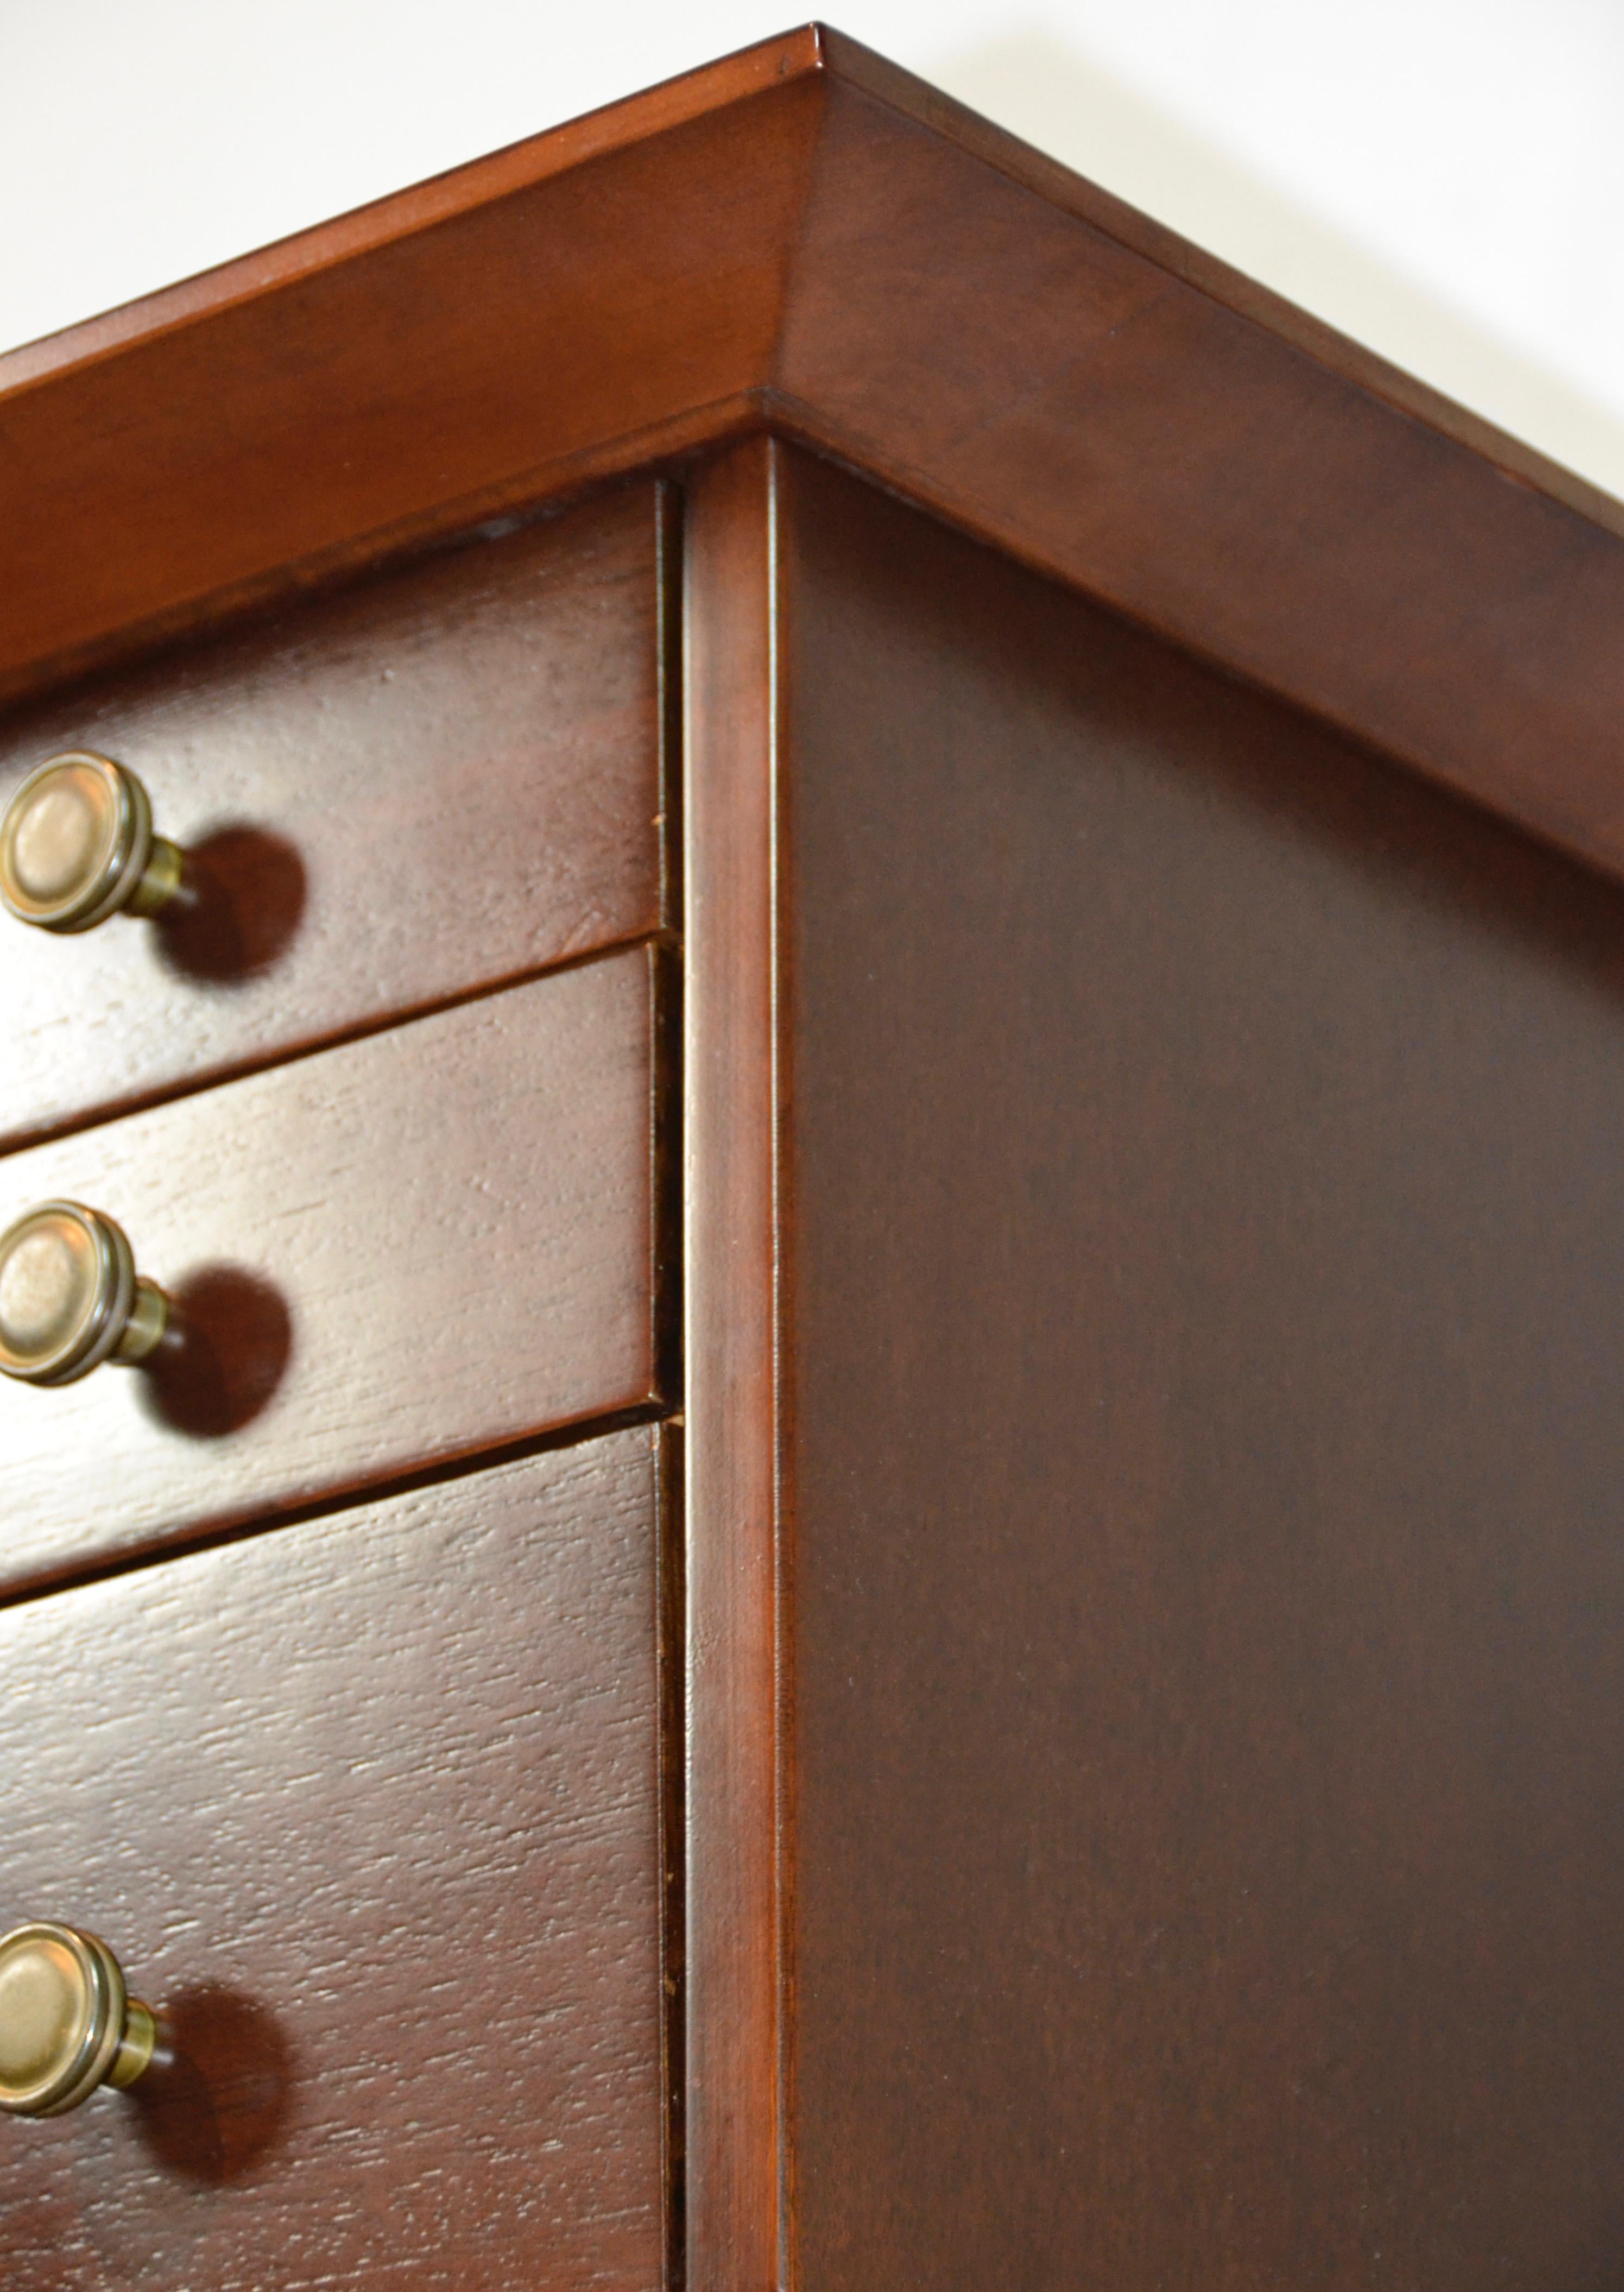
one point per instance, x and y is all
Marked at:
(330, 444)
(439, 780)
(1202, 1334)
(409, 1249)
(733, 1083)
(807, 238)
(1152, 1602)
(369, 1808)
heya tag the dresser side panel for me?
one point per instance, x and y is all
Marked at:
(1205, 1215)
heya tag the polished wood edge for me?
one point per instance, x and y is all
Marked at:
(671, 1644)
(400, 214)
(666, 1073)
(668, 675)
(766, 63)
(1591, 837)
(835, 251)
(1053, 181)
(665, 1282)
(734, 1399)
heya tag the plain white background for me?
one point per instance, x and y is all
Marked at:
(1441, 178)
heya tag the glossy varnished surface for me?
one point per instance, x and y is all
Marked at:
(1204, 1236)
(409, 1248)
(428, 782)
(369, 1809)
(733, 1079)
(804, 238)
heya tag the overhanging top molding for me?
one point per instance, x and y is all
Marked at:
(805, 239)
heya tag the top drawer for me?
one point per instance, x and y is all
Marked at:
(442, 779)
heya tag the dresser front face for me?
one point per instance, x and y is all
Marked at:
(370, 1795)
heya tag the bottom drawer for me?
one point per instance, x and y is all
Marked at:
(369, 1809)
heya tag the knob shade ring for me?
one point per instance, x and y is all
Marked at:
(95, 1330)
(69, 1989)
(99, 866)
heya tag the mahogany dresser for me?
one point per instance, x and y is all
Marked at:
(812, 1088)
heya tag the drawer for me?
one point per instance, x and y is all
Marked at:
(442, 779)
(431, 1242)
(369, 1810)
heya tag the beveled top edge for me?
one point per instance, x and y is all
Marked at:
(399, 214)
(808, 48)
(1061, 377)
(1062, 186)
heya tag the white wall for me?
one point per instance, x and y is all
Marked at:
(1442, 178)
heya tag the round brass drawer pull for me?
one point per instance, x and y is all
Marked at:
(68, 2024)
(76, 845)
(70, 1297)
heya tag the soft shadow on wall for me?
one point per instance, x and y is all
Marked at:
(1045, 91)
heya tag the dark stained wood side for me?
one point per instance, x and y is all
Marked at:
(1204, 1333)
(1001, 358)
(409, 1249)
(369, 1809)
(430, 783)
(807, 238)
(732, 1392)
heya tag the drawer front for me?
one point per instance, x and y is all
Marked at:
(434, 1242)
(442, 779)
(369, 1810)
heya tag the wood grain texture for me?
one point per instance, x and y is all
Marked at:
(732, 1081)
(1005, 362)
(369, 1809)
(1204, 1335)
(809, 239)
(432, 782)
(532, 367)
(408, 1248)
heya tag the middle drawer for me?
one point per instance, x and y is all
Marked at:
(432, 1242)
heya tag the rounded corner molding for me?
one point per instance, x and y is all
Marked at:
(76, 845)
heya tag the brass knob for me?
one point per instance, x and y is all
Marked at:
(70, 1297)
(68, 2024)
(76, 845)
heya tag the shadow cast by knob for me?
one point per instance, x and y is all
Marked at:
(223, 1356)
(216, 2098)
(239, 909)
